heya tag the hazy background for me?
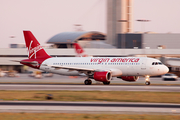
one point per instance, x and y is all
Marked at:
(45, 18)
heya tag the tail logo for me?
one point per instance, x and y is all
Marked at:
(32, 51)
(79, 50)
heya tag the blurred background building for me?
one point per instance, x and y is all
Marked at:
(119, 19)
(149, 40)
(87, 39)
(120, 31)
(120, 40)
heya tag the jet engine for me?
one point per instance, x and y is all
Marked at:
(130, 78)
(102, 76)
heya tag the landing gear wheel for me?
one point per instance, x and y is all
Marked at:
(90, 82)
(147, 80)
(106, 83)
(87, 82)
(147, 83)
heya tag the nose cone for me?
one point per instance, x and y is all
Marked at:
(165, 69)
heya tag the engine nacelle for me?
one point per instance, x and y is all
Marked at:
(130, 78)
(102, 76)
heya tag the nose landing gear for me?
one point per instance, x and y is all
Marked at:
(147, 80)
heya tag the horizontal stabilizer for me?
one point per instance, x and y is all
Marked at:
(28, 62)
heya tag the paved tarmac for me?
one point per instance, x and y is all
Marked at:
(24, 78)
(59, 82)
(76, 84)
(89, 87)
(88, 107)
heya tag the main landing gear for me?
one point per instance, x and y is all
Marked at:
(147, 80)
(106, 83)
(88, 82)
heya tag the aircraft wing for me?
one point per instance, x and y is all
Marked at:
(71, 68)
(115, 72)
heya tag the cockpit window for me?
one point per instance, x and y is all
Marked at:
(156, 63)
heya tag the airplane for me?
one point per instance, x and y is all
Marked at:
(79, 51)
(98, 68)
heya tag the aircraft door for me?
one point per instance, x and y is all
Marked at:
(143, 64)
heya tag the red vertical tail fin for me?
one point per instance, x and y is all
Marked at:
(79, 50)
(35, 51)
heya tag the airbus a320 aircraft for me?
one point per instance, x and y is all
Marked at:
(98, 68)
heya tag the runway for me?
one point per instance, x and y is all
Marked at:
(59, 82)
(88, 107)
(89, 87)
(59, 79)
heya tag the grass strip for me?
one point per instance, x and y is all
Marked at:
(110, 96)
(79, 116)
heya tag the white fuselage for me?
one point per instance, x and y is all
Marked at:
(119, 66)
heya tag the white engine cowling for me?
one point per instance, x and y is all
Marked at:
(102, 76)
(130, 78)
